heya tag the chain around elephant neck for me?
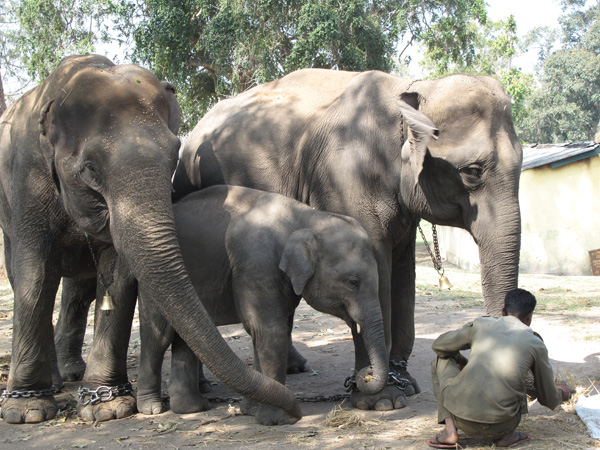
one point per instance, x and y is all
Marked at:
(104, 282)
(436, 259)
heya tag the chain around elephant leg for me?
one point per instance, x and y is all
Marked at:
(400, 371)
(392, 396)
(106, 403)
(28, 406)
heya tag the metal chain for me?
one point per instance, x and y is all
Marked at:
(103, 393)
(111, 269)
(17, 393)
(436, 259)
(314, 399)
(394, 379)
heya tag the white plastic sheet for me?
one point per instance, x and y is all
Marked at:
(588, 409)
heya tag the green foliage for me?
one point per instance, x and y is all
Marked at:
(519, 85)
(454, 42)
(566, 105)
(211, 49)
(48, 30)
(493, 46)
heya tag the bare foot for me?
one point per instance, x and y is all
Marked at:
(513, 439)
(447, 439)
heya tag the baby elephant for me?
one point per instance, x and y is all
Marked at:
(252, 256)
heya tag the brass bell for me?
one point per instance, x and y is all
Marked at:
(444, 282)
(107, 303)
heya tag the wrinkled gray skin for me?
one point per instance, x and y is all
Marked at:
(91, 150)
(251, 257)
(387, 151)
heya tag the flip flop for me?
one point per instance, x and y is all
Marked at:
(438, 444)
(522, 438)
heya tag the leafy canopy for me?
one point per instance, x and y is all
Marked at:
(39, 33)
(492, 47)
(566, 106)
(216, 48)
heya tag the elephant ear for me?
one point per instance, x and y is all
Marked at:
(46, 145)
(174, 109)
(422, 130)
(299, 257)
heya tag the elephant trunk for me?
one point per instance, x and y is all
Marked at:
(499, 247)
(144, 235)
(372, 379)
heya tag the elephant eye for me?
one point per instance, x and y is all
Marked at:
(91, 175)
(90, 166)
(353, 282)
(472, 172)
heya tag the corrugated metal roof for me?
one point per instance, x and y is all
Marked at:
(557, 154)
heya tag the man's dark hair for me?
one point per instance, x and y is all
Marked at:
(519, 302)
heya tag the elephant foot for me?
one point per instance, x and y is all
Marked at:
(29, 410)
(57, 380)
(72, 370)
(296, 363)
(188, 403)
(388, 399)
(401, 373)
(265, 414)
(150, 404)
(117, 408)
(204, 385)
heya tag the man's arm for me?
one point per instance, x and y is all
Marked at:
(448, 345)
(548, 394)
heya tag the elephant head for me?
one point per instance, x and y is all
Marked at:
(461, 166)
(333, 267)
(110, 141)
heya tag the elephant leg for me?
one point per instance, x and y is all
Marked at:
(69, 333)
(403, 314)
(270, 338)
(390, 397)
(156, 335)
(107, 360)
(184, 384)
(7, 260)
(204, 384)
(296, 362)
(35, 282)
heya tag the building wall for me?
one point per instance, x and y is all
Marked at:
(560, 216)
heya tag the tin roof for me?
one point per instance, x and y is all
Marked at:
(557, 154)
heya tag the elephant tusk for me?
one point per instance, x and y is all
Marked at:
(358, 328)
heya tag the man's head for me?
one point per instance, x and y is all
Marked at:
(519, 303)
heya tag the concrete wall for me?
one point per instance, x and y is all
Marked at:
(560, 213)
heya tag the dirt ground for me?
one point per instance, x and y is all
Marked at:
(568, 315)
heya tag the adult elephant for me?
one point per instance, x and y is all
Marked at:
(86, 160)
(387, 151)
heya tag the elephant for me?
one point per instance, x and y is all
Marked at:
(251, 256)
(387, 151)
(86, 162)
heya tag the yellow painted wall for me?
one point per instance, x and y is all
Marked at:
(560, 214)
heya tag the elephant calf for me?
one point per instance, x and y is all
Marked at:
(251, 256)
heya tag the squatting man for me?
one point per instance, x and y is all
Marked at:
(486, 395)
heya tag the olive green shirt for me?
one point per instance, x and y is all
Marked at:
(491, 387)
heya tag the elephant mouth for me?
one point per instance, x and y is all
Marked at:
(97, 225)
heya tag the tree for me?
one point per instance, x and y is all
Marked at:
(566, 105)
(37, 34)
(493, 46)
(216, 48)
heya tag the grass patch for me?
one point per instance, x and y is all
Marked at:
(556, 299)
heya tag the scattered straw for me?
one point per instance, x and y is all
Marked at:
(342, 419)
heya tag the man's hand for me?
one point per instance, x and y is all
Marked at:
(565, 391)
(461, 361)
